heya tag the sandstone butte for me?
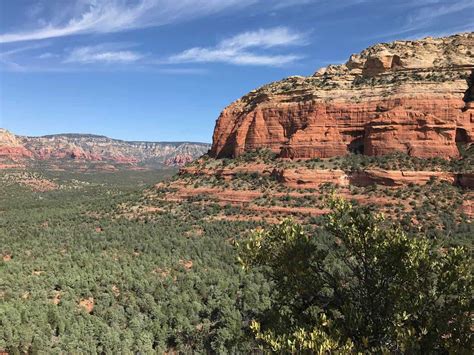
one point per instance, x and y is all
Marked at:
(416, 97)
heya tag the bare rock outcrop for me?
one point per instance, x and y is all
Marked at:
(179, 160)
(310, 178)
(11, 148)
(411, 96)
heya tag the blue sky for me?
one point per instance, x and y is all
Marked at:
(164, 69)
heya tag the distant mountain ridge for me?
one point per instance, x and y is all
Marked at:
(99, 136)
(96, 151)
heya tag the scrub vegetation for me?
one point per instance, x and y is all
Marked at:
(107, 263)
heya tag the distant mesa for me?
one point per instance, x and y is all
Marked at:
(100, 151)
(416, 97)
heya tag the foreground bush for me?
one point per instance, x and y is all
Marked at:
(362, 284)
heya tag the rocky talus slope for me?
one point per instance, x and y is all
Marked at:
(103, 151)
(415, 97)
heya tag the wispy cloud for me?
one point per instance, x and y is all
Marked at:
(433, 11)
(240, 49)
(106, 16)
(99, 54)
(7, 57)
(75, 17)
(48, 55)
(265, 38)
(426, 16)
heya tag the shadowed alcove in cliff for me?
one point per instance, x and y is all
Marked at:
(461, 136)
(462, 139)
(356, 146)
(469, 94)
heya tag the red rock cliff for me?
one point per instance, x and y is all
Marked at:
(411, 96)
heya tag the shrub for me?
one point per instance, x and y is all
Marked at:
(368, 288)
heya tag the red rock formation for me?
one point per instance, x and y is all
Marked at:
(15, 153)
(80, 149)
(179, 160)
(409, 96)
(398, 177)
(310, 178)
(307, 178)
(11, 148)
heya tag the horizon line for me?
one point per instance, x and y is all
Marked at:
(105, 136)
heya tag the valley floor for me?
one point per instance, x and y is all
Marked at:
(79, 276)
(122, 262)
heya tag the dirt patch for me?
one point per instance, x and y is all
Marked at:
(197, 232)
(87, 304)
(40, 185)
(187, 264)
(162, 272)
(115, 290)
(56, 299)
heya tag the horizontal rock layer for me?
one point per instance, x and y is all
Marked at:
(410, 96)
(306, 178)
(309, 178)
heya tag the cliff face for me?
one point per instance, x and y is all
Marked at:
(91, 148)
(416, 97)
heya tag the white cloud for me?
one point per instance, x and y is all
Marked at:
(427, 18)
(74, 17)
(105, 16)
(47, 55)
(266, 38)
(98, 54)
(236, 49)
(434, 10)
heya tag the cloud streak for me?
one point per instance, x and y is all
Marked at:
(425, 17)
(97, 54)
(76, 17)
(9, 63)
(106, 16)
(240, 49)
(434, 10)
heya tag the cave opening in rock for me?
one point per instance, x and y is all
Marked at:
(357, 146)
(461, 135)
(461, 139)
(396, 62)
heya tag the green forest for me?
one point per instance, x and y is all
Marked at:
(80, 276)
(155, 286)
